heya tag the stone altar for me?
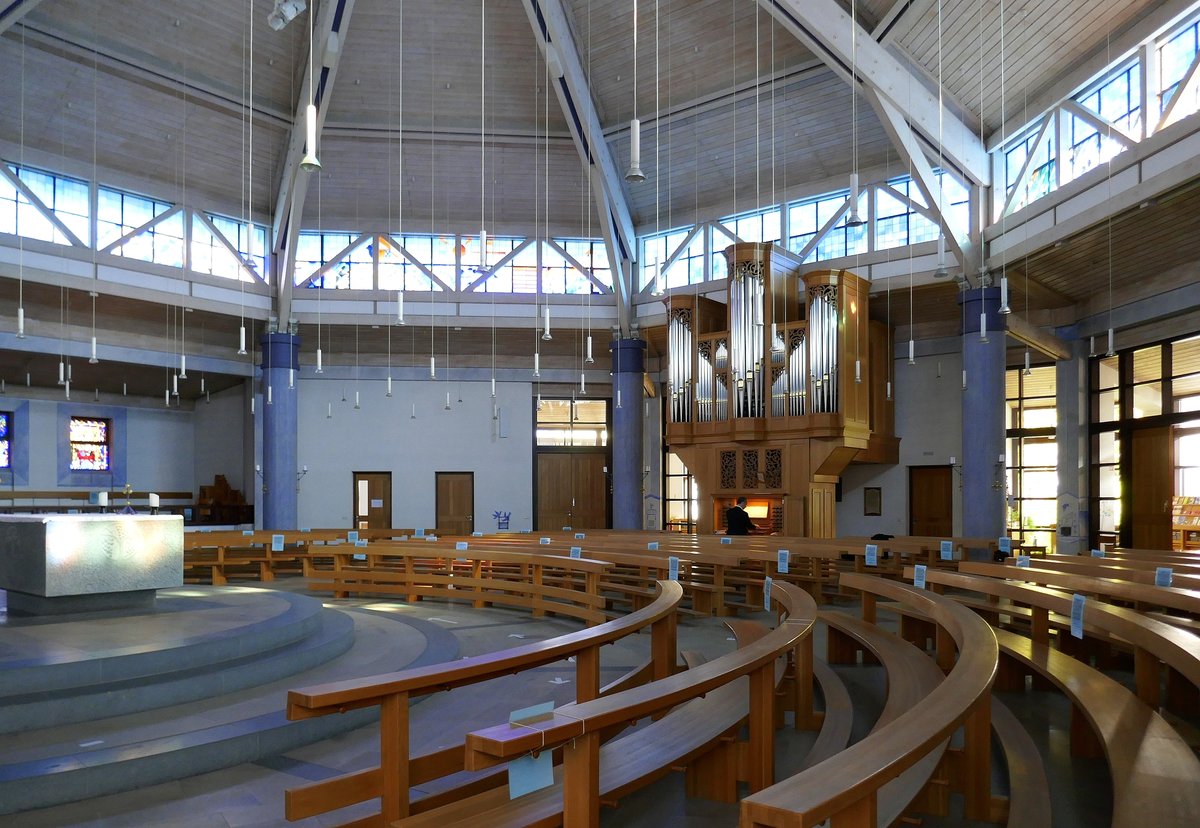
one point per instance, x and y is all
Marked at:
(53, 564)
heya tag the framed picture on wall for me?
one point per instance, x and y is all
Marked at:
(872, 501)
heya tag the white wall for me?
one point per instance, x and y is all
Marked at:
(219, 427)
(382, 436)
(929, 425)
(160, 455)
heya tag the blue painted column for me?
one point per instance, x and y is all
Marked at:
(983, 470)
(280, 354)
(628, 364)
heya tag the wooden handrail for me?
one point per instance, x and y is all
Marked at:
(580, 724)
(845, 787)
(391, 692)
(1153, 640)
(1187, 600)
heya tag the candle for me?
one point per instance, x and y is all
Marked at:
(153, 498)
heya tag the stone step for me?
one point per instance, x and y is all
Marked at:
(190, 628)
(50, 766)
(131, 695)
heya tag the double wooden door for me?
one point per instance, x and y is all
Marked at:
(1151, 468)
(572, 490)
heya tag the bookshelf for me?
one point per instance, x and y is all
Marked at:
(1185, 523)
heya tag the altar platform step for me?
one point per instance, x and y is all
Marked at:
(189, 628)
(70, 762)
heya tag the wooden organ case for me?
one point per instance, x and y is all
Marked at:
(772, 394)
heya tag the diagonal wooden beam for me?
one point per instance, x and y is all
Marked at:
(552, 29)
(13, 11)
(328, 45)
(825, 29)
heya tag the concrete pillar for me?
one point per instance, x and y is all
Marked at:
(983, 493)
(1070, 377)
(280, 357)
(628, 361)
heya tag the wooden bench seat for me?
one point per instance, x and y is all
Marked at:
(680, 738)
(1155, 775)
(837, 719)
(849, 789)
(1028, 788)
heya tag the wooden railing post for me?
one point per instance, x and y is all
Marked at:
(945, 649)
(860, 814)
(1148, 677)
(538, 609)
(393, 756)
(762, 727)
(581, 782)
(662, 646)
(587, 674)
(802, 698)
(977, 752)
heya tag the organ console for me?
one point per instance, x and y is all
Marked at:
(773, 392)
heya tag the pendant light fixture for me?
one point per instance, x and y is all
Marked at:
(634, 174)
(941, 272)
(309, 162)
(854, 219)
(247, 215)
(93, 359)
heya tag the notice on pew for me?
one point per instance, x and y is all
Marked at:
(460, 546)
(1077, 602)
(1006, 545)
(361, 542)
(1163, 576)
(477, 534)
(652, 546)
(781, 563)
(418, 533)
(872, 555)
(672, 568)
(947, 550)
(580, 536)
(1023, 561)
(276, 543)
(726, 540)
(1097, 553)
(544, 541)
(576, 551)
(247, 532)
(352, 536)
(767, 584)
(568, 528)
(919, 576)
(527, 773)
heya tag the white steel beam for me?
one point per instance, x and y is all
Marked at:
(824, 28)
(552, 30)
(328, 30)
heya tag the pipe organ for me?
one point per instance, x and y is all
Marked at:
(783, 366)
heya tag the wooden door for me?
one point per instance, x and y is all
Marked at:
(372, 500)
(930, 501)
(1150, 488)
(455, 503)
(572, 490)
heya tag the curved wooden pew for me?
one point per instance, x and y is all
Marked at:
(1185, 600)
(846, 788)
(1155, 775)
(1028, 803)
(1153, 641)
(836, 720)
(414, 570)
(586, 776)
(397, 771)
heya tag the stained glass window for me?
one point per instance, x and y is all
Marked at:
(89, 444)
(5, 439)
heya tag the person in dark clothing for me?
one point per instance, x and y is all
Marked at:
(737, 522)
